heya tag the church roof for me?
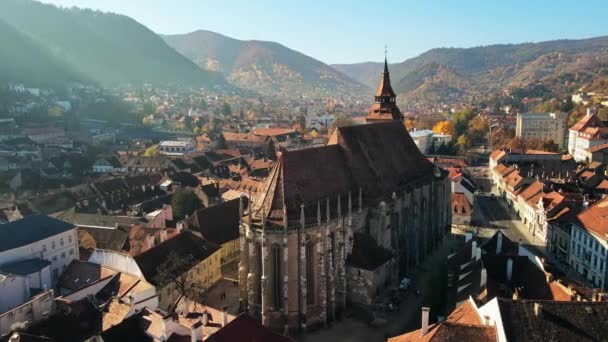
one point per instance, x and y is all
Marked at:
(385, 88)
(379, 158)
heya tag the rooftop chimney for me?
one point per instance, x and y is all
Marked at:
(163, 235)
(150, 241)
(538, 310)
(473, 249)
(509, 269)
(224, 316)
(498, 242)
(477, 253)
(484, 278)
(186, 308)
(468, 237)
(205, 318)
(425, 321)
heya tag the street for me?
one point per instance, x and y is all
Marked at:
(495, 213)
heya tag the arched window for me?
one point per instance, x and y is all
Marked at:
(310, 273)
(277, 276)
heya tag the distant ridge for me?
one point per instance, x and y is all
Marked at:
(266, 67)
(450, 74)
(81, 44)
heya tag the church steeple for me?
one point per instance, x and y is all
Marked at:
(385, 100)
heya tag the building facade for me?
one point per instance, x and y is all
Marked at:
(298, 240)
(542, 126)
(587, 137)
(40, 237)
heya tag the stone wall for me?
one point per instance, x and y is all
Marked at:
(365, 285)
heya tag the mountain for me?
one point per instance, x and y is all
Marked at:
(266, 67)
(452, 74)
(24, 60)
(101, 47)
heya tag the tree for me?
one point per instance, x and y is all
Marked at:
(184, 202)
(175, 270)
(341, 120)
(221, 142)
(203, 104)
(301, 119)
(444, 127)
(149, 107)
(464, 143)
(226, 110)
(269, 150)
(409, 124)
(152, 151)
(188, 122)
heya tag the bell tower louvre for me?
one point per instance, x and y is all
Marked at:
(384, 107)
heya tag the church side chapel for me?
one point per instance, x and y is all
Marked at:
(341, 223)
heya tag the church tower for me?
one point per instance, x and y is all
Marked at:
(385, 102)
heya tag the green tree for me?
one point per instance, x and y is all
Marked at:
(188, 122)
(221, 142)
(149, 107)
(152, 151)
(203, 104)
(269, 150)
(226, 109)
(184, 202)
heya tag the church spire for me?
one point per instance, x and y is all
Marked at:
(385, 100)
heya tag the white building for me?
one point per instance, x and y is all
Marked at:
(176, 147)
(542, 126)
(588, 245)
(590, 131)
(423, 139)
(39, 237)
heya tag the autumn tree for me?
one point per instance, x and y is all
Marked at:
(184, 202)
(444, 127)
(464, 143)
(152, 151)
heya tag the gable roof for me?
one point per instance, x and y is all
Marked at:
(29, 230)
(556, 321)
(378, 158)
(184, 245)
(595, 218)
(219, 223)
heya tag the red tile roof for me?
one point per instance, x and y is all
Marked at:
(460, 204)
(595, 218)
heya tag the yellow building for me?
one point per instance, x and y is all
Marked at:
(220, 225)
(185, 264)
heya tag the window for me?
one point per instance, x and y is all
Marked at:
(71, 251)
(44, 248)
(54, 258)
(62, 255)
(61, 242)
(277, 277)
(310, 273)
(70, 239)
(52, 244)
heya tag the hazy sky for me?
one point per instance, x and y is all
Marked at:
(340, 31)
